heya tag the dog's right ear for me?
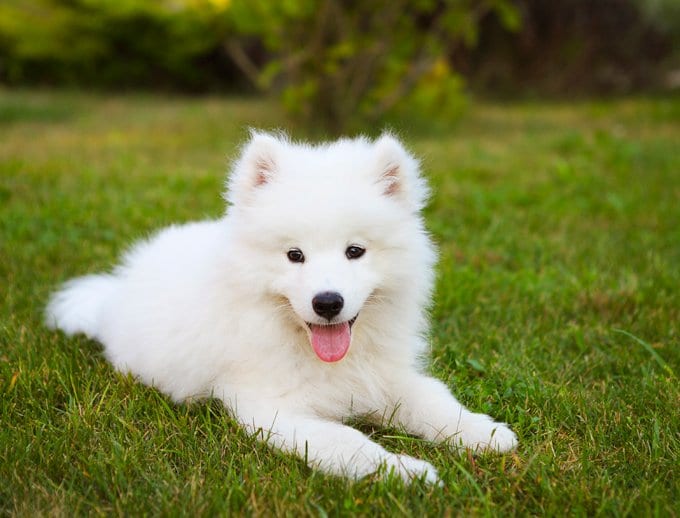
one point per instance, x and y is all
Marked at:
(255, 167)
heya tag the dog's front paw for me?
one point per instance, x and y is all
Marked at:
(410, 469)
(481, 433)
(503, 439)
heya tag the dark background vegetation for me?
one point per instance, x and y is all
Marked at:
(344, 64)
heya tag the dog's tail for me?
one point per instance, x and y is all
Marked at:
(77, 306)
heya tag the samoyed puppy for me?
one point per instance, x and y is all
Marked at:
(304, 305)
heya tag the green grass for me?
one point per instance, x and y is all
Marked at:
(557, 310)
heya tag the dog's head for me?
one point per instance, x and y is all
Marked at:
(334, 230)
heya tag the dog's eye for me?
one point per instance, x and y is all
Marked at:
(354, 252)
(295, 255)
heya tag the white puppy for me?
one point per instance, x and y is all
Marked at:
(304, 305)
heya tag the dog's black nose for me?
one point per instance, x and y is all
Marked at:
(328, 304)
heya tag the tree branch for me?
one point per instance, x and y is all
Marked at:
(244, 63)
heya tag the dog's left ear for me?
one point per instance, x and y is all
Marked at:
(399, 172)
(255, 167)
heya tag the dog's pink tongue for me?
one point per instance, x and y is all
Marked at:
(330, 343)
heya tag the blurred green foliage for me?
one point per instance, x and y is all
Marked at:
(109, 42)
(663, 14)
(345, 65)
(340, 65)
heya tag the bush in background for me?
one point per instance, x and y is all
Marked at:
(340, 65)
(343, 65)
(351, 64)
(115, 43)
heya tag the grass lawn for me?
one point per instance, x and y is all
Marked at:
(557, 310)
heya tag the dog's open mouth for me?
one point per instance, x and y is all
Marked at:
(331, 341)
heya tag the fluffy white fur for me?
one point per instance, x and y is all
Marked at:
(216, 308)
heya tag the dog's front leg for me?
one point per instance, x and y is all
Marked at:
(328, 446)
(425, 407)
